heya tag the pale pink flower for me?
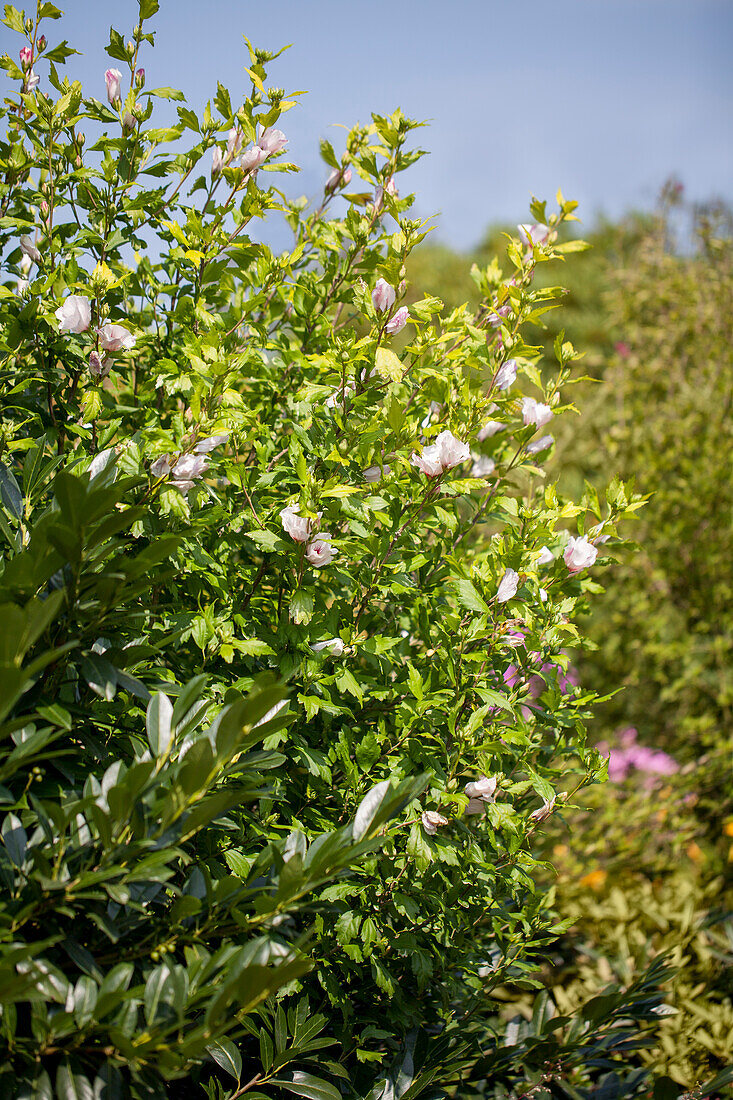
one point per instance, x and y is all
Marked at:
(545, 556)
(483, 788)
(162, 466)
(29, 249)
(483, 466)
(252, 158)
(540, 444)
(398, 321)
(31, 82)
(496, 320)
(506, 376)
(113, 78)
(26, 57)
(430, 462)
(115, 337)
(383, 296)
(297, 526)
(205, 445)
(234, 142)
(75, 314)
(217, 161)
(579, 554)
(507, 586)
(186, 470)
(339, 395)
(431, 821)
(489, 428)
(319, 552)
(452, 450)
(544, 811)
(531, 235)
(272, 141)
(533, 412)
(375, 473)
(335, 647)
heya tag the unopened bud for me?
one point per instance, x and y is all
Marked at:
(28, 25)
(130, 48)
(41, 43)
(78, 162)
(128, 122)
(26, 58)
(80, 139)
(140, 78)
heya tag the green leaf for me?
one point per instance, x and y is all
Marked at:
(227, 1057)
(148, 8)
(10, 492)
(368, 809)
(72, 1086)
(469, 597)
(305, 1084)
(158, 724)
(301, 607)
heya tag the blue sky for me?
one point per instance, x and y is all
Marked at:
(604, 98)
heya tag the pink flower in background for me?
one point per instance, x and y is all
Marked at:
(531, 235)
(398, 321)
(579, 554)
(483, 466)
(490, 427)
(115, 337)
(235, 141)
(540, 444)
(622, 349)
(112, 79)
(545, 556)
(319, 552)
(375, 473)
(630, 756)
(533, 412)
(383, 296)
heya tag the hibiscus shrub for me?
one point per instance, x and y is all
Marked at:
(277, 602)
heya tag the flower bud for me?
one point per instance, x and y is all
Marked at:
(41, 43)
(383, 296)
(217, 161)
(112, 79)
(130, 47)
(44, 208)
(26, 58)
(140, 78)
(128, 122)
(397, 322)
(28, 25)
